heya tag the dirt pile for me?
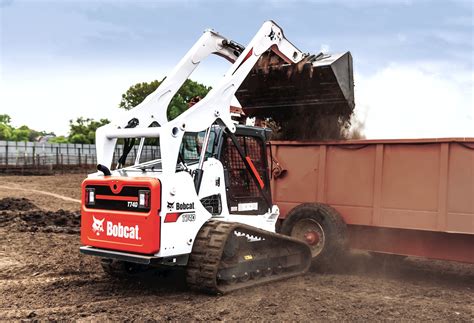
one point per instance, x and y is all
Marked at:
(22, 215)
(16, 204)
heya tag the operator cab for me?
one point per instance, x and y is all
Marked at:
(247, 183)
(244, 196)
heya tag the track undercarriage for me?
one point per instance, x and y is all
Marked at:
(228, 256)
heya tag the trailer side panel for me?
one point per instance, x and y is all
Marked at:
(408, 188)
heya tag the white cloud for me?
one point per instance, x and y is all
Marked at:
(427, 99)
(46, 99)
(424, 100)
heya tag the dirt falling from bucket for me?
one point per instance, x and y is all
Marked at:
(311, 100)
(308, 124)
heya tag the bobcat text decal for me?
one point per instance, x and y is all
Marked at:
(116, 230)
(180, 206)
(185, 206)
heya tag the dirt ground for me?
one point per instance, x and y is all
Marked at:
(43, 276)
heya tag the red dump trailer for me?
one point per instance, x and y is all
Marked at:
(404, 197)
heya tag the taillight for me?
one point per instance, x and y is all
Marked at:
(90, 196)
(143, 199)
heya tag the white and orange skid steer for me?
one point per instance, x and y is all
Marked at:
(204, 202)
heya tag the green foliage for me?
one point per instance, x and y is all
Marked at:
(5, 119)
(137, 93)
(23, 133)
(59, 140)
(6, 131)
(82, 131)
(179, 103)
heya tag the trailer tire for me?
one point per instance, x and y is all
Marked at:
(323, 229)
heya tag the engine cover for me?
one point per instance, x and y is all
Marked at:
(121, 213)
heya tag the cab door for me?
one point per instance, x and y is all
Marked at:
(248, 188)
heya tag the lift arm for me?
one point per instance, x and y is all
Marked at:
(214, 108)
(153, 110)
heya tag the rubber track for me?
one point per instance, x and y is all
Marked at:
(205, 258)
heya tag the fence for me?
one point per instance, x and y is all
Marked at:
(39, 158)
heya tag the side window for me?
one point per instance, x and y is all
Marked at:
(191, 146)
(150, 151)
(244, 196)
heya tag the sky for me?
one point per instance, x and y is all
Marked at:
(413, 60)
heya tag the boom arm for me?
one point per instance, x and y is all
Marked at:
(213, 108)
(154, 107)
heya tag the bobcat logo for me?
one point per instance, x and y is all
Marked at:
(170, 205)
(97, 226)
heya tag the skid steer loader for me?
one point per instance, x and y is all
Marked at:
(205, 203)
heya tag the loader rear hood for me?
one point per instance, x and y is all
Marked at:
(121, 213)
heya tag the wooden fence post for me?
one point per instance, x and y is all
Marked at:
(25, 156)
(34, 154)
(6, 154)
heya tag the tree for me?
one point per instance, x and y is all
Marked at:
(137, 93)
(6, 130)
(23, 133)
(179, 103)
(59, 140)
(82, 131)
(5, 119)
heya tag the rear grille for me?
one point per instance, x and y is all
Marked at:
(104, 198)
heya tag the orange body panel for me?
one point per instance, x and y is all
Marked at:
(124, 230)
(425, 185)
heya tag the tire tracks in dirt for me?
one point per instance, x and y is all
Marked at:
(41, 280)
(65, 198)
(64, 309)
(107, 305)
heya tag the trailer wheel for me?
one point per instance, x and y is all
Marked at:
(322, 228)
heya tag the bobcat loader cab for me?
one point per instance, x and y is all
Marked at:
(205, 203)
